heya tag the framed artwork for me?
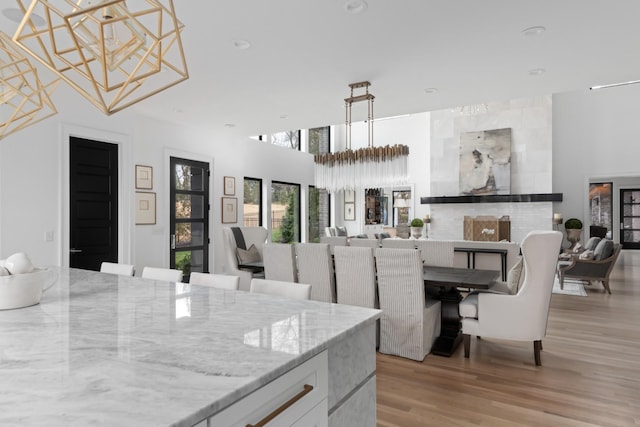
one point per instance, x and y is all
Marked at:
(349, 211)
(601, 204)
(145, 208)
(229, 186)
(229, 210)
(144, 177)
(349, 196)
(485, 162)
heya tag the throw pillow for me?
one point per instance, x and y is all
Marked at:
(341, 231)
(592, 243)
(514, 277)
(604, 249)
(586, 255)
(249, 255)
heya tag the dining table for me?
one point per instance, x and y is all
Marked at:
(443, 283)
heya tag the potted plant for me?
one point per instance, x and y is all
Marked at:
(416, 228)
(573, 227)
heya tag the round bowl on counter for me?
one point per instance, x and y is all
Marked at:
(23, 290)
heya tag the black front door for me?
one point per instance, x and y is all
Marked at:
(189, 216)
(630, 218)
(93, 213)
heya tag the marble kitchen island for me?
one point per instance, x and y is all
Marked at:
(111, 350)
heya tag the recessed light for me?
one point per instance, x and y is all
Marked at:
(537, 72)
(431, 90)
(241, 44)
(284, 116)
(533, 31)
(355, 6)
(16, 15)
(229, 125)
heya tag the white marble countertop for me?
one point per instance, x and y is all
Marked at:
(111, 350)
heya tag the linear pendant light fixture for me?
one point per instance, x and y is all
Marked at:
(24, 99)
(632, 82)
(369, 167)
(115, 53)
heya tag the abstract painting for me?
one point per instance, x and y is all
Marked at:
(485, 162)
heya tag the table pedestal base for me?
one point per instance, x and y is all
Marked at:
(450, 326)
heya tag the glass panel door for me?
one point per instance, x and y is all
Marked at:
(189, 216)
(630, 218)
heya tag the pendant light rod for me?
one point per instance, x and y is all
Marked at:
(349, 102)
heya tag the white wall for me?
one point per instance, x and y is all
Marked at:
(531, 165)
(32, 189)
(595, 138)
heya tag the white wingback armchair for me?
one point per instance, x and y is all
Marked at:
(252, 236)
(523, 316)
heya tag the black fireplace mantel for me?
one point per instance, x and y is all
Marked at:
(494, 198)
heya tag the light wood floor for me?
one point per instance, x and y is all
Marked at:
(590, 373)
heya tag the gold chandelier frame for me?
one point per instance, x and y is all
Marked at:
(115, 53)
(24, 99)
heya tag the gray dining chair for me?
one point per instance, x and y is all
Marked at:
(315, 268)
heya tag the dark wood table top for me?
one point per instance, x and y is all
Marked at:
(462, 277)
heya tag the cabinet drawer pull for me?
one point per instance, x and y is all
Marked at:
(284, 407)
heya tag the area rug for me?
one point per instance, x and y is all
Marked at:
(570, 288)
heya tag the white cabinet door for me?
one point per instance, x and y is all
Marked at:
(286, 400)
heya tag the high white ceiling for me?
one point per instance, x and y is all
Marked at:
(304, 53)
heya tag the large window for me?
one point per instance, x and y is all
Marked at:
(319, 213)
(252, 202)
(319, 140)
(285, 212)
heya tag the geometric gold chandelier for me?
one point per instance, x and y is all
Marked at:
(366, 167)
(24, 99)
(115, 53)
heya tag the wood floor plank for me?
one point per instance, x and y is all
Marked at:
(590, 373)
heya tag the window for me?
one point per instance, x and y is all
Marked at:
(252, 202)
(285, 212)
(319, 213)
(319, 140)
(288, 139)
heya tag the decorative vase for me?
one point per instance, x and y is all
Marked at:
(573, 236)
(416, 232)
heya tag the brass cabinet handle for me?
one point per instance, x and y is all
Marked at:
(283, 407)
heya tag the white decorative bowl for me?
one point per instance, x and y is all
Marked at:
(23, 290)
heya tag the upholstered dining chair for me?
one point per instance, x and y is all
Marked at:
(523, 316)
(168, 274)
(315, 268)
(334, 241)
(280, 288)
(251, 236)
(410, 321)
(366, 243)
(280, 262)
(116, 268)
(219, 281)
(355, 276)
(436, 253)
(399, 243)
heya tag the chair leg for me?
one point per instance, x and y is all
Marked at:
(561, 279)
(605, 283)
(466, 340)
(537, 346)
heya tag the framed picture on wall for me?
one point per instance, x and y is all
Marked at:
(349, 196)
(349, 211)
(144, 177)
(229, 186)
(229, 210)
(145, 208)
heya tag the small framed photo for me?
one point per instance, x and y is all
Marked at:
(144, 177)
(145, 208)
(229, 210)
(349, 196)
(349, 211)
(229, 186)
